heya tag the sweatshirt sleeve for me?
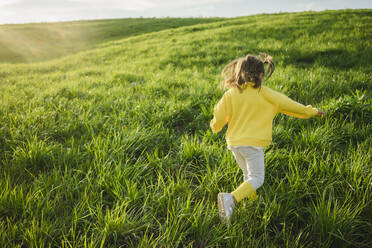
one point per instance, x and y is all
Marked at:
(289, 107)
(221, 114)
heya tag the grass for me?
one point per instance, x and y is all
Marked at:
(111, 146)
(44, 41)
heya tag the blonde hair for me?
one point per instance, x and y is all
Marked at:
(246, 69)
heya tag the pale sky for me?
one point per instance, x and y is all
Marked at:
(24, 11)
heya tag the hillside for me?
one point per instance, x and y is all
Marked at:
(110, 146)
(44, 41)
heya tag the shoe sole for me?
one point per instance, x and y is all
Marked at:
(221, 208)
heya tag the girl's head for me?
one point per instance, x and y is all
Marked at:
(250, 68)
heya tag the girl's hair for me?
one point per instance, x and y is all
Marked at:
(247, 69)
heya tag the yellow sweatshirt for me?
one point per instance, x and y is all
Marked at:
(250, 113)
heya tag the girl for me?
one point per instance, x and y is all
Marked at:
(249, 109)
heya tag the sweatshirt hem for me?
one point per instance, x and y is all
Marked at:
(248, 142)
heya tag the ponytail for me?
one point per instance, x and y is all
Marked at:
(267, 59)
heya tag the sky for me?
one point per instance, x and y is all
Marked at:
(25, 11)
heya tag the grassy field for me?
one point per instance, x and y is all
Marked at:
(111, 146)
(44, 41)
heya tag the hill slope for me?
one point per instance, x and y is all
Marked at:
(44, 41)
(111, 147)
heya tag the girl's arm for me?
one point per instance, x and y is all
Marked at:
(289, 107)
(220, 113)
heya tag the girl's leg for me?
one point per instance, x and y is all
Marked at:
(241, 162)
(226, 201)
(254, 164)
(251, 161)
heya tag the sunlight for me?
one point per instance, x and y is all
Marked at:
(36, 41)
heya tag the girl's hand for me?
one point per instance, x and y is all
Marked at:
(320, 112)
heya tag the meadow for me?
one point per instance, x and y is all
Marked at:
(35, 42)
(108, 144)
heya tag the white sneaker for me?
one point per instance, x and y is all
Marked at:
(226, 206)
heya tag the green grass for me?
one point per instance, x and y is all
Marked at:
(111, 146)
(44, 41)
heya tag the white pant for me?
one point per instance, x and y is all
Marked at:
(251, 161)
